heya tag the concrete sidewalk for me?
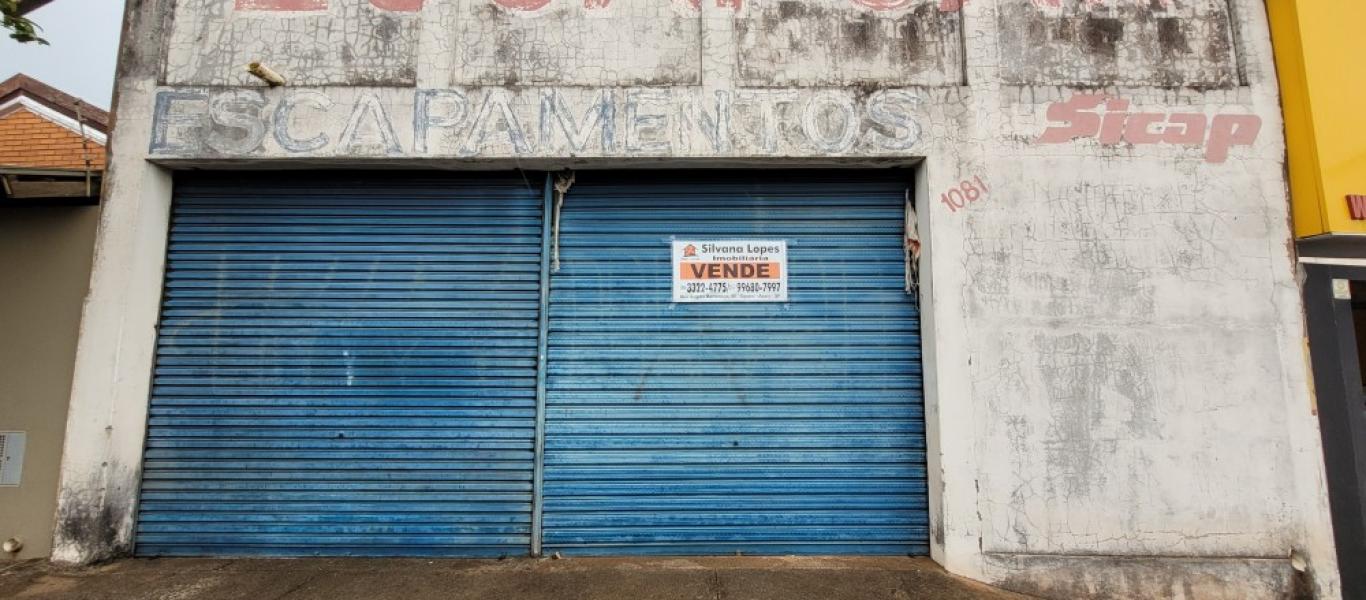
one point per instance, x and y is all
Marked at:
(711, 578)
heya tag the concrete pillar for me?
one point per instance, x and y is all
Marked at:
(107, 416)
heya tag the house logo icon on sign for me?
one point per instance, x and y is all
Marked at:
(690, 251)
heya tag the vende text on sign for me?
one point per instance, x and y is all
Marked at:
(730, 271)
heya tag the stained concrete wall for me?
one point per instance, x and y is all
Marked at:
(45, 268)
(1116, 385)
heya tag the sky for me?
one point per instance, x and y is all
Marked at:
(84, 38)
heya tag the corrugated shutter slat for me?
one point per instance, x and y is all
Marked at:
(765, 428)
(346, 366)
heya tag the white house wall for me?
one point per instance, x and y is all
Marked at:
(1117, 388)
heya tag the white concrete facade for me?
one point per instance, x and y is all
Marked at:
(1117, 392)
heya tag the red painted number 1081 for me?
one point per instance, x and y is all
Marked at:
(968, 190)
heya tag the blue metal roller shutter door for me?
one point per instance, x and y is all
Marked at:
(346, 366)
(762, 428)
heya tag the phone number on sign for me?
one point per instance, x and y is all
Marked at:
(766, 286)
(719, 287)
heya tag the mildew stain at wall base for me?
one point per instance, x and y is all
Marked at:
(91, 524)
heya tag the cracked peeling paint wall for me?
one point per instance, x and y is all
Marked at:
(1162, 43)
(348, 43)
(1130, 322)
(1114, 324)
(625, 43)
(1136, 341)
(800, 43)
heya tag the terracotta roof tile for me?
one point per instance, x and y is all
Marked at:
(54, 98)
(28, 140)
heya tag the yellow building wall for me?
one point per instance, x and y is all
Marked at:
(1321, 60)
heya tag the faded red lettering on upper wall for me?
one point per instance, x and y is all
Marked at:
(884, 4)
(1094, 3)
(398, 5)
(523, 5)
(1227, 131)
(1110, 121)
(321, 5)
(594, 4)
(282, 5)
